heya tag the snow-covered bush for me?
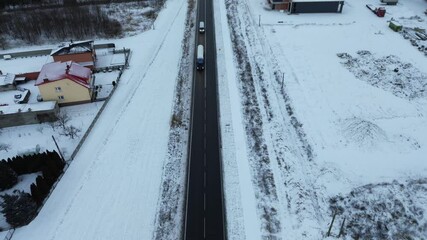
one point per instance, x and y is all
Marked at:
(384, 210)
(19, 208)
(8, 177)
(388, 73)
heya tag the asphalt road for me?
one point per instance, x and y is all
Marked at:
(204, 208)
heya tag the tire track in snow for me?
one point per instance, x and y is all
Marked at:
(259, 158)
(154, 58)
(296, 173)
(286, 133)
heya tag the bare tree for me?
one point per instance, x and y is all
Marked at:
(3, 43)
(63, 119)
(70, 3)
(52, 125)
(41, 24)
(70, 131)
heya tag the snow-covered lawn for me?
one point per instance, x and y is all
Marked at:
(325, 129)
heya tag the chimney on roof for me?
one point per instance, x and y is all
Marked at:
(68, 68)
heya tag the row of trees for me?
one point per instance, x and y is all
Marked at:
(14, 3)
(20, 207)
(59, 24)
(32, 4)
(23, 4)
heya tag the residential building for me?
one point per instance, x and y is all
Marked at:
(81, 52)
(68, 83)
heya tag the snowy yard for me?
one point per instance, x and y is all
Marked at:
(38, 137)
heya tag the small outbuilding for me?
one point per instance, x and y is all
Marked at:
(315, 6)
(23, 114)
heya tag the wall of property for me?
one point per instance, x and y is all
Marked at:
(71, 91)
(8, 87)
(28, 117)
(76, 57)
(29, 75)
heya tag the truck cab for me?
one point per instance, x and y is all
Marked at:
(200, 60)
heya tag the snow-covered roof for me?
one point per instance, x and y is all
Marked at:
(64, 70)
(14, 108)
(73, 47)
(7, 79)
(18, 98)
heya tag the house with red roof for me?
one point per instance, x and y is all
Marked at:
(68, 83)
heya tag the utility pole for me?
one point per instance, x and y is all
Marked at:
(332, 223)
(259, 20)
(341, 229)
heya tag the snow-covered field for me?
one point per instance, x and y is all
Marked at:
(306, 129)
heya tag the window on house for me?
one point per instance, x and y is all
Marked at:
(58, 89)
(61, 97)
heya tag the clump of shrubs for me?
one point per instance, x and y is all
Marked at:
(20, 207)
